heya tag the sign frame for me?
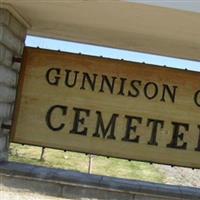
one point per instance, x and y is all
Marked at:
(170, 99)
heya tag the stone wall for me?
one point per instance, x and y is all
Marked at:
(12, 36)
(75, 185)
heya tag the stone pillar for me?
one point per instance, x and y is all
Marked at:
(12, 37)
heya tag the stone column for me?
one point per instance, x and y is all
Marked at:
(12, 37)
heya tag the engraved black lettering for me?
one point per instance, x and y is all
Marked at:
(197, 98)
(110, 83)
(79, 120)
(122, 86)
(155, 123)
(53, 76)
(170, 91)
(90, 80)
(130, 127)
(198, 145)
(63, 110)
(104, 130)
(178, 136)
(135, 91)
(150, 90)
(70, 80)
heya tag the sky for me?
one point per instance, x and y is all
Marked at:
(74, 47)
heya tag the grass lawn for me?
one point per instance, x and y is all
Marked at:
(79, 162)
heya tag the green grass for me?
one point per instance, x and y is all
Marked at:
(79, 162)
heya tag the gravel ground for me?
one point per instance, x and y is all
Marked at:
(13, 194)
(180, 175)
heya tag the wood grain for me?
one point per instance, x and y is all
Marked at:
(139, 92)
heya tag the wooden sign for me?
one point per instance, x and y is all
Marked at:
(108, 107)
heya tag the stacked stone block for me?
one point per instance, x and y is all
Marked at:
(12, 37)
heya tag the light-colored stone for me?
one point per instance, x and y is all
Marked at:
(6, 111)
(16, 66)
(7, 19)
(8, 39)
(7, 94)
(12, 36)
(8, 76)
(4, 138)
(3, 141)
(4, 156)
(4, 16)
(5, 55)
